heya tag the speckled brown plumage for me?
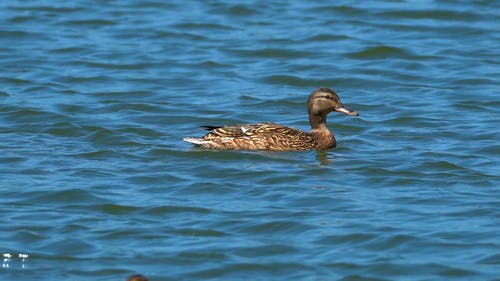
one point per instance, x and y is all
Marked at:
(275, 137)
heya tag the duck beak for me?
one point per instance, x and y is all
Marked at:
(344, 110)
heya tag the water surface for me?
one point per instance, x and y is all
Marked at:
(96, 182)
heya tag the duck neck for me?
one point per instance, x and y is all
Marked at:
(318, 121)
(324, 137)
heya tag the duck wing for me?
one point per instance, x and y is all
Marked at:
(262, 136)
(249, 130)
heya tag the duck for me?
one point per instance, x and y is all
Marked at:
(137, 277)
(275, 137)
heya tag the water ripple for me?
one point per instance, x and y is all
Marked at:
(97, 183)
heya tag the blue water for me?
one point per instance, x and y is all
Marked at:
(96, 183)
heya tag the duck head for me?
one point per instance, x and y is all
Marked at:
(323, 101)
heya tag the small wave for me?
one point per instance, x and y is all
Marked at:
(175, 209)
(66, 196)
(444, 15)
(203, 26)
(380, 52)
(90, 22)
(272, 53)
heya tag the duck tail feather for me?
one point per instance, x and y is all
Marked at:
(193, 140)
(210, 128)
